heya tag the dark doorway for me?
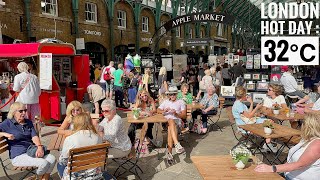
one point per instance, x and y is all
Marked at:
(7, 39)
(164, 51)
(97, 53)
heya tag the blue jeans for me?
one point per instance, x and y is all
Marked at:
(60, 168)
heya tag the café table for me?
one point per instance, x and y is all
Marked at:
(282, 116)
(279, 132)
(56, 142)
(222, 167)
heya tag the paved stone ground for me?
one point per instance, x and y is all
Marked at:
(212, 143)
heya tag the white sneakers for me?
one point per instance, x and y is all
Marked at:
(269, 146)
(179, 148)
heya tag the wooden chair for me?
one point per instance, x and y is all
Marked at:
(87, 158)
(6, 163)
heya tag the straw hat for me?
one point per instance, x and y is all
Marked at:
(172, 90)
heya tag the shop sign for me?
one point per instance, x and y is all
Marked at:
(197, 42)
(95, 33)
(50, 30)
(146, 39)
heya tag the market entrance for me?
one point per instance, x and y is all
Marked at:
(97, 53)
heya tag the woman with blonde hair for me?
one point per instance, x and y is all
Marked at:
(147, 107)
(21, 135)
(146, 80)
(162, 80)
(303, 161)
(83, 134)
(73, 109)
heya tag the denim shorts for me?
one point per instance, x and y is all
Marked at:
(109, 86)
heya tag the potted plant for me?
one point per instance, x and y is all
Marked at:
(240, 156)
(268, 126)
(276, 108)
(136, 113)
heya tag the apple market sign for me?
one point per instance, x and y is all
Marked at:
(199, 17)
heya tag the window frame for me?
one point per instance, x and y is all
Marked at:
(52, 4)
(145, 24)
(95, 12)
(190, 33)
(123, 19)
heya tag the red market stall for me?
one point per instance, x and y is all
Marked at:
(63, 74)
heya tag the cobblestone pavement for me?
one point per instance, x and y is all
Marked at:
(212, 143)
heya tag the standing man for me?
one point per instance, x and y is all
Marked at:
(91, 67)
(237, 70)
(118, 85)
(96, 95)
(109, 78)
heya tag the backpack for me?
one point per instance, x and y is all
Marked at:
(107, 75)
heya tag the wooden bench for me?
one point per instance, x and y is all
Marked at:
(6, 163)
(88, 157)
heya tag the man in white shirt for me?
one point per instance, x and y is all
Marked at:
(109, 84)
(291, 86)
(312, 107)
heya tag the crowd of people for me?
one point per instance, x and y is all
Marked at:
(112, 88)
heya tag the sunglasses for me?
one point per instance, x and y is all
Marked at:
(270, 90)
(22, 110)
(172, 94)
(106, 111)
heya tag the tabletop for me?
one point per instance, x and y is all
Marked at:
(279, 131)
(158, 118)
(194, 106)
(282, 116)
(222, 167)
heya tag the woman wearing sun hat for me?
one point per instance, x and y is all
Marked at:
(174, 110)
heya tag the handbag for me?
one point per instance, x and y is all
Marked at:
(32, 149)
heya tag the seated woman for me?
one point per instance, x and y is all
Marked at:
(114, 130)
(312, 107)
(210, 103)
(148, 107)
(241, 113)
(304, 158)
(73, 109)
(83, 134)
(274, 97)
(174, 110)
(239, 108)
(184, 94)
(20, 134)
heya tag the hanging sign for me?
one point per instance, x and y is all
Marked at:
(46, 71)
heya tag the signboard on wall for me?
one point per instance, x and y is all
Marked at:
(45, 71)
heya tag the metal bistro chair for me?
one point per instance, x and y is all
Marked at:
(214, 119)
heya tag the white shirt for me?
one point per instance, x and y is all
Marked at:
(115, 133)
(31, 89)
(268, 101)
(111, 70)
(178, 106)
(316, 105)
(289, 82)
(79, 139)
(311, 172)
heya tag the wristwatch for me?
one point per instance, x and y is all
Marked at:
(274, 168)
